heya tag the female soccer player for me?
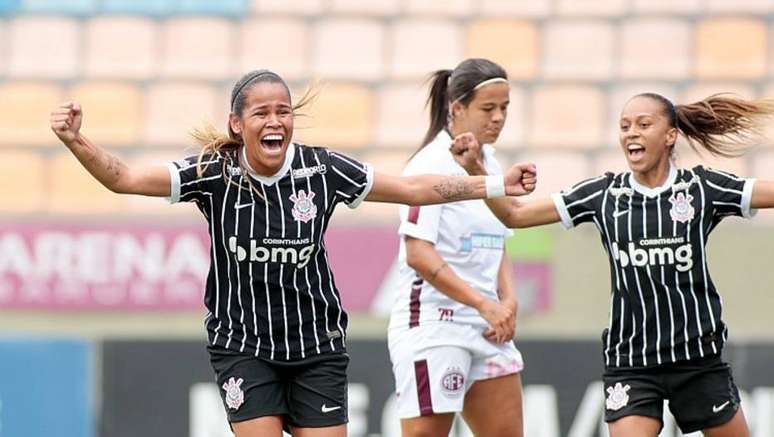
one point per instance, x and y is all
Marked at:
(665, 334)
(275, 325)
(452, 325)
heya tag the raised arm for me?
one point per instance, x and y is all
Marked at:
(762, 194)
(108, 169)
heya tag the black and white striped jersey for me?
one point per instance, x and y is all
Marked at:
(663, 306)
(270, 291)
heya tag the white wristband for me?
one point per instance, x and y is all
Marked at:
(495, 186)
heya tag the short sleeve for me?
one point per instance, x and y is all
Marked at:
(583, 201)
(350, 179)
(728, 194)
(420, 222)
(423, 222)
(187, 184)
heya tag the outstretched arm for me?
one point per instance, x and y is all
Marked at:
(762, 195)
(434, 189)
(108, 169)
(513, 213)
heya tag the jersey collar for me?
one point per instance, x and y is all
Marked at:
(270, 180)
(653, 192)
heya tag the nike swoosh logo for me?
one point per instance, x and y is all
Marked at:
(327, 409)
(617, 214)
(244, 205)
(720, 408)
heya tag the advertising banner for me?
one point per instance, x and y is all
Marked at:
(151, 266)
(166, 388)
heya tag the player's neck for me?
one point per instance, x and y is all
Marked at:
(654, 177)
(257, 167)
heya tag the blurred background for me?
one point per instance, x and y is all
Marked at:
(100, 295)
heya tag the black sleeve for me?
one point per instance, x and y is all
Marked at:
(193, 180)
(727, 194)
(350, 180)
(583, 201)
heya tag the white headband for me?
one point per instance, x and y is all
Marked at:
(488, 81)
(480, 85)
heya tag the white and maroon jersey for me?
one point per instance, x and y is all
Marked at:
(664, 307)
(270, 291)
(466, 235)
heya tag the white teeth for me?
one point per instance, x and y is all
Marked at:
(634, 147)
(273, 137)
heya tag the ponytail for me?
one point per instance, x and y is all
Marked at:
(438, 101)
(724, 125)
(212, 143)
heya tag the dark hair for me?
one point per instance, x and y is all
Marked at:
(456, 85)
(239, 91)
(720, 124)
(213, 141)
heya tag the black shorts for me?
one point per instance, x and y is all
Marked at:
(310, 393)
(701, 393)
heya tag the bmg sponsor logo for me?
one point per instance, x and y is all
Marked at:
(276, 254)
(656, 252)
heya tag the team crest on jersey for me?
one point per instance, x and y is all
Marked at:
(304, 208)
(682, 211)
(235, 397)
(617, 396)
(453, 382)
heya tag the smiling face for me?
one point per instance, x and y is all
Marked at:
(265, 125)
(646, 136)
(485, 114)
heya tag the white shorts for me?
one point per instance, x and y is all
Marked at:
(435, 364)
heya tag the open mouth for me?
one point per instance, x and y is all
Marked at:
(272, 142)
(635, 151)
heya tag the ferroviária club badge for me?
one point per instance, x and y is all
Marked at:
(682, 211)
(453, 382)
(235, 397)
(303, 207)
(617, 396)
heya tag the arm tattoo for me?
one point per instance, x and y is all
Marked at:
(453, 189)
(114, 165)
